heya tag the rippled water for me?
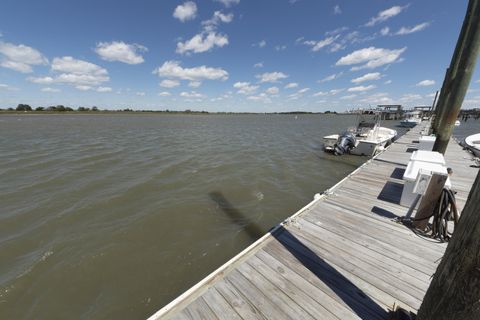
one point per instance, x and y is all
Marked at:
(113, 216)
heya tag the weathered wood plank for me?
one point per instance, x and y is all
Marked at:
(219, 305)
(314, 309)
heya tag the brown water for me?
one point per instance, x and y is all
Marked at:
(113, 216)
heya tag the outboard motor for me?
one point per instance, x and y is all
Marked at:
(344, 143)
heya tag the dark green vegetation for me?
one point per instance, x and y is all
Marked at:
(25, 108)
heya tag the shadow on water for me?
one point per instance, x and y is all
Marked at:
(252, 229)
(351, 295)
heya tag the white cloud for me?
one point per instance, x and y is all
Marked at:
(167, 83)
(298, 94)
(280, 48)
(385, 31)
(20, 57)
(388, 82)
(78, 67)
(245, 87)
(425, 83)
(121, 51)
(140, 93)
(172, 69)
(317, 45)
(348, 97)
(410, 97)
(407, 30)
(164, 94)
(334, 32)
(83, 87)
(192, 95)
(337, 10)
(262, 97)
(6, 87)
(260, 44)
(335, 91)
(217, 18)
(194, 84)
(41, 80)
(367, 77)
(272, 90)
(104, 89)
(186, 11)
(83, 75)
(202, 42)
(229, 3)
(258, 65)
(385, 15)
(331, 77)
(370, 57)
(271, 76)
(304, 90)
(320, 94)
(291, 85)
(361, 88)
(377, 98)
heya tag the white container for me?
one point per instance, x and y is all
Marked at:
(410, 176)
(428, 156)
(426, 143)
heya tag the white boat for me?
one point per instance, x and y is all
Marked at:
(457, 123)
(473, 144)
(367, 139)
(412, 118)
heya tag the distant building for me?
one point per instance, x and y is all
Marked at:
(390, 111)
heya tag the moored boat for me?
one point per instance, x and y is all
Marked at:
(411, 119)
(367, 139)
(473, 144)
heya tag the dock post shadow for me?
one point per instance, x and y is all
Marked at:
(252, 229)
(351, 295)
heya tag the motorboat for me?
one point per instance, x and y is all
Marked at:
(412, 118)
(366, 139)
(473, 144)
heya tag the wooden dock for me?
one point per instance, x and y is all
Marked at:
(340, 257)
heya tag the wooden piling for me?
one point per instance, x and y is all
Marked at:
(457, 78)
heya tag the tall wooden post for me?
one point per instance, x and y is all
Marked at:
(454, 292)
(458, 76)
(441, 102)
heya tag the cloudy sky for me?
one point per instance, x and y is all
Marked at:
(227, 55)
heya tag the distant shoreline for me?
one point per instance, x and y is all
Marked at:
(151, 112)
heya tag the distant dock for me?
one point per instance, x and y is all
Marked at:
(340, 257)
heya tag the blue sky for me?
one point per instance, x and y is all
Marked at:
(227, 55)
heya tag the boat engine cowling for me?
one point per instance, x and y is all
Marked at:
(344, 143)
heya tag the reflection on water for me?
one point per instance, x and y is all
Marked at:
(112, 216)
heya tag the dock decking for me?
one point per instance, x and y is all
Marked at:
(340, 257)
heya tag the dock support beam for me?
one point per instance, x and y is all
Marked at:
(458, 76)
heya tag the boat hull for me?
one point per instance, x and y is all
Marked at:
(364, 146)
(473, 144)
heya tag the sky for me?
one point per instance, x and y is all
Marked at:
(228, 55)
